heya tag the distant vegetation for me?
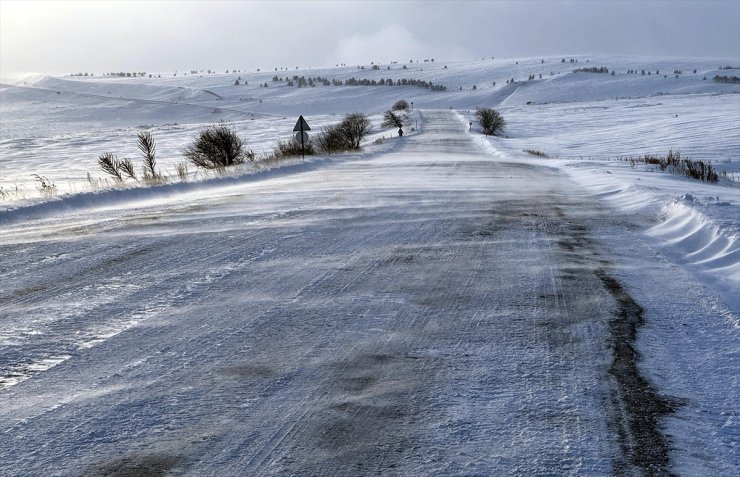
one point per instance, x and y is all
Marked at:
(400, 105)
(675, 164)
(592, 69)
(310, 82)
(534, 152)
(491, 121)
(727, 79)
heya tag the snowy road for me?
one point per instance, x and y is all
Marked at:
(428, 311)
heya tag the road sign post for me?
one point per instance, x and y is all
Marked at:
(300, 128)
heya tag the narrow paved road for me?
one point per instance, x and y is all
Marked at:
(428, 311)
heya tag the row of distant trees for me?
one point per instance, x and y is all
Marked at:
(302, 81)
(727, 79)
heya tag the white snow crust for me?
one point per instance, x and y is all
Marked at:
(124, 329)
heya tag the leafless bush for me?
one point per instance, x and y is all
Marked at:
(216, 147)
(118, 168)
(292, 148)
(147, 148)
(182, 171)
(490, 120)
(534, 152)
(392, 120)
(345, 136)
(675, 164)
(46, 187)
(400, 105)
(354, 127)
(331, 141)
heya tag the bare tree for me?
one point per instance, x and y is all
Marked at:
(491, 121)
(392, 120)
(354, 127)
(400, 105)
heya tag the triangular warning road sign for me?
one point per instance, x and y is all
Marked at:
(301, 125)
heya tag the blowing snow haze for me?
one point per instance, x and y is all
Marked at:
(67, 37)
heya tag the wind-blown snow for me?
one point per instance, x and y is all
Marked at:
(140, 321)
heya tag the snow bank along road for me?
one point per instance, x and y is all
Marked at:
(428, 311)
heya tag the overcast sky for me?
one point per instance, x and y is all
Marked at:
(59, 37)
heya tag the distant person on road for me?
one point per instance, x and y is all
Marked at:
(400, 132)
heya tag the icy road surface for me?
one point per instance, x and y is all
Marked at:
(429, 311)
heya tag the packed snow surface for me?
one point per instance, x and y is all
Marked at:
(439, 304)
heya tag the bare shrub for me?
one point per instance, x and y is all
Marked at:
(400, 105)
(354, 127)
(331, 141)
(109, 164)
(491, 121)
(345, 136)
(216, 147)
(147, 148)
(118, 168)
(292, 148)
(392, 120)
(675, 164)
(534, 152)
(46, 187)
(127, 167)
(182, 171)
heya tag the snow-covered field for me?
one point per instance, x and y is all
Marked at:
(440, 304)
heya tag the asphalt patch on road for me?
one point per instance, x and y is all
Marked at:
(141, 465)
(640, 439)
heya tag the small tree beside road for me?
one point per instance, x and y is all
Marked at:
(392, 120)
(491, 121)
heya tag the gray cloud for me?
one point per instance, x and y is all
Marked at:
(64, 37)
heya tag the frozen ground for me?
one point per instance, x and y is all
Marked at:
(444, 304)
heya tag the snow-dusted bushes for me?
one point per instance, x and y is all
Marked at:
(345, 136)
(673, 163)
(490, 120)
(216, 147)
